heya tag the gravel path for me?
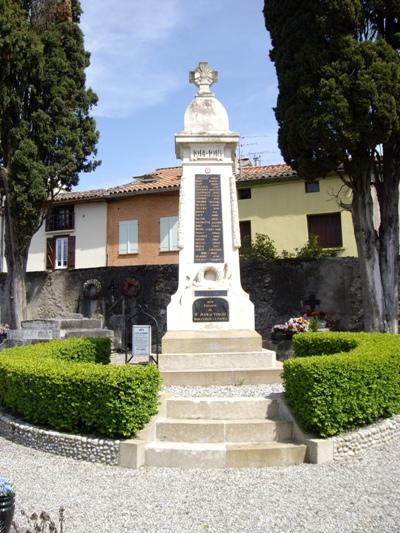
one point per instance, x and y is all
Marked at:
(355, 495)
(264, 391)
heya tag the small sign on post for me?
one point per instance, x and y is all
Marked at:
(141, 342)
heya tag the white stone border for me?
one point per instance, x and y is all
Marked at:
(344, 445)
(129, 453)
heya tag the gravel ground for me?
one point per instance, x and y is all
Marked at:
(355, 495)
(264, 391)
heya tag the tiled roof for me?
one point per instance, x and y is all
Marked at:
(250, 173)
(164, 179)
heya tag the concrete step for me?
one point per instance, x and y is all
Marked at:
(206, 431)
(217, 361)
(87, 333)
(62, 323)
(221, 408)
(211, 341)
(220, 455)
(243, 376)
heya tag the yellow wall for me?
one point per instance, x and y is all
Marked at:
(280, 209)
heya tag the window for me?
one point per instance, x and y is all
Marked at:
(328, 229)
(245, 230)
(312, 186)
(168, 233)
(244, 194)
(60, 252)
(60, 217)
(128, 237)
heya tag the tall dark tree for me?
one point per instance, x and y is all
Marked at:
(46, 134)
(338, 109)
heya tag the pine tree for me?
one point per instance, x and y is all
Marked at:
(338, 110)
(46, 134)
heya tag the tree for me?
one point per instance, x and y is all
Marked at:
(46, 134)
(338, 109)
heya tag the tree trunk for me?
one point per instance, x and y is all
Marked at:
(368, 247)
(16, 258)
(388, 197)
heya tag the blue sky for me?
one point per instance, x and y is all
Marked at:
(141, 55)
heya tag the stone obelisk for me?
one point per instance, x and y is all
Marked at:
(210, 312)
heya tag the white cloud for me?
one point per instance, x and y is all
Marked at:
(126, 38)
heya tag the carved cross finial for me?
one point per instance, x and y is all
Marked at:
(203, 76)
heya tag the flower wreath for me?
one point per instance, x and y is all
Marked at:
(130, 287)
(92, 288)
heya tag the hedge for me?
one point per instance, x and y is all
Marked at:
(60, 385)
(331, 392)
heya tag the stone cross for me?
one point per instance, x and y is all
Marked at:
(203, 76)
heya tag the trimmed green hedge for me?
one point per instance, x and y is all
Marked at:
(335, 392)
(59, 385)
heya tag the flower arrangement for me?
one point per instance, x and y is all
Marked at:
(6, 488)
(293, 325)
(92, 288)
(4, 329)
(324, 319)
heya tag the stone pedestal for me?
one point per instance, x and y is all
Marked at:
(210, 312)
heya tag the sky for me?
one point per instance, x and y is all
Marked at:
(141, 55)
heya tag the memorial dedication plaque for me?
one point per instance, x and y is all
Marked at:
(210, 310)
(208, 234)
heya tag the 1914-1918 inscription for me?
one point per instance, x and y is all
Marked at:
(210, 310)
(208, 234)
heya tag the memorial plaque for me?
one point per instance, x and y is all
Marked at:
(210, 310)
(141, 340)
(211, 293)
(208, 234)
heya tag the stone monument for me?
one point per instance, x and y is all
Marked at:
(210, 312)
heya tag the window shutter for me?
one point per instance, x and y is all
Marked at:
(50, 253)
(123, 238)
(133, 245)
(164, 234)
(174, 233)
(71, 251)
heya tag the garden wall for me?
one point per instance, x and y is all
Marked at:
(278, 289)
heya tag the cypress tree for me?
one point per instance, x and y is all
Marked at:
(46, 134)
(338, 110)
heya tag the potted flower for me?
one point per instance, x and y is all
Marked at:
(7, 504)
(288, 329)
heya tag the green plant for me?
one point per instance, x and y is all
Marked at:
(312, 250)
(59, 385)
(339, 381)
(260, 249)
(313, 324)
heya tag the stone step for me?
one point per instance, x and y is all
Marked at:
(88, 333)
(221, 455)
(221, 408)
(217, 361)
(211, 341)
(206, 431)
(62, 323)
(243, 376)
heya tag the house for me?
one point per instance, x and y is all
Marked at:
(274, 200)
(137, 223)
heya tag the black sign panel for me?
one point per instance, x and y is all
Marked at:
(210, 310)
(208, 234)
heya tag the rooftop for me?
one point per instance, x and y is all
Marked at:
(168, 179)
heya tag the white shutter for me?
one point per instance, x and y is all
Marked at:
(133, 244)
(164, 234)
(123, 237)
(128, 237)
(173, 241)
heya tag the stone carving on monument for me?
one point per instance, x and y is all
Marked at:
(210, 302)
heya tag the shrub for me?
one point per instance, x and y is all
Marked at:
(335, 391)
(59, 385)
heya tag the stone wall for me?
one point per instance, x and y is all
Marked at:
(278, 289)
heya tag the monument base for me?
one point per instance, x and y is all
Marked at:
(211, 341)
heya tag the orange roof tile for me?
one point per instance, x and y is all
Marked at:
(168, 179)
